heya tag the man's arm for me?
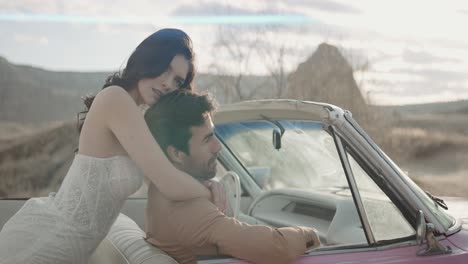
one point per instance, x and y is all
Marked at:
(199, 223)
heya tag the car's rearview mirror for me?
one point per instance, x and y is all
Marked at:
(277, 139)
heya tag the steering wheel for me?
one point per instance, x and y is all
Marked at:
(231, 184)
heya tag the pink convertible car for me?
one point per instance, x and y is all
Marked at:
(311, 164)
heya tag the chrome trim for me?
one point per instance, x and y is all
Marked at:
(338, 249)
(455, 228)
(354, 189)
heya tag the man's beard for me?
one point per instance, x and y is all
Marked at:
(202, 173)
(202, 178)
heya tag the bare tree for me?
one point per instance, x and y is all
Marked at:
(274, 63)
(238, 51)
(246, 48)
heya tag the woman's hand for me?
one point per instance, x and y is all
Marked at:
(218, 194)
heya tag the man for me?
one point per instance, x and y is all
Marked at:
(181, 123)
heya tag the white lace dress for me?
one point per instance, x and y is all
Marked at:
(68, 226)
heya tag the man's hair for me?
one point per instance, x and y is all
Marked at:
(171, 118)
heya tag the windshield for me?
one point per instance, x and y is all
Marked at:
(307, 158)
(308, 163)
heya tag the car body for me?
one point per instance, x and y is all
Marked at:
(310, 164)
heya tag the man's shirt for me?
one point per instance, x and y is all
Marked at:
(187, 229)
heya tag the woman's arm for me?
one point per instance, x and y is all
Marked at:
(125, 120)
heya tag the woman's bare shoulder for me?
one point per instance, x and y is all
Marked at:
(112, 92)
(112, 97)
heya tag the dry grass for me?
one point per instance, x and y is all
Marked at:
(453, 184)
(35, 163)
(417, 143)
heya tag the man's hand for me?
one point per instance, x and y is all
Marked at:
(314, 241)
(218, 194)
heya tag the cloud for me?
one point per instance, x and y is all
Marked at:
(408, 85)
(29, 6)
(435, 75)
(196, 9)
(30, 39)
(422, 57)
(325, 5)
(407, 91)
(215, 8)
(87, 7)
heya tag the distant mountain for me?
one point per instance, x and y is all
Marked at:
(456, 107)
(326, 76)
(34, 95)
(29, 94)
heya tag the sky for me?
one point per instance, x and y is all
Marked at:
(415, 49)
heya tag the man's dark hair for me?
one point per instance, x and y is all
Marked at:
(170, 119)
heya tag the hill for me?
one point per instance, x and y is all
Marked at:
(31, 94)
(35, 164)
(326, 76)
(455, 107)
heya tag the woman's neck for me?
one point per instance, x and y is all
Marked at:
(136, 96)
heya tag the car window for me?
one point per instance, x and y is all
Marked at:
(307, 158)
(385, 220)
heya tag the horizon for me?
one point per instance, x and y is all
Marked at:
(414, 59)
(208, 73)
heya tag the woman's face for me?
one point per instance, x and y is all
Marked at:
(151, 89)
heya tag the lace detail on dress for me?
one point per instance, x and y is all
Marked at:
(66, 227)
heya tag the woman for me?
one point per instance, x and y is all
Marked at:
(115, 150)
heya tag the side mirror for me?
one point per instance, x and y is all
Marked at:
(425, 231)
(420, 228)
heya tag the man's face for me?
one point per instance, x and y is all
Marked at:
(203, 151)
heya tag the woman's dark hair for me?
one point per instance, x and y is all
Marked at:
(149, 60)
